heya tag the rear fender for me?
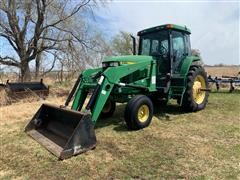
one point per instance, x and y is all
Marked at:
(187, 63)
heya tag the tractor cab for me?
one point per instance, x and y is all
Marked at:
(169, 45)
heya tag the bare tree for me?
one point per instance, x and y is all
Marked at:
(32, 27)
(122, 44)
(77, 58)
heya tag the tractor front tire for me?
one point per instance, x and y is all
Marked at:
(196, 95)
(108, 109)
(138, 112)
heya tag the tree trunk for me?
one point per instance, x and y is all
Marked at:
(25, 72)
(61, 74)
(37, 65)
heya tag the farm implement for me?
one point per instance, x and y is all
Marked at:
(18, 90)
(233, 82)
(163, 69)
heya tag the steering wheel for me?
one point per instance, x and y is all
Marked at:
(163, 51)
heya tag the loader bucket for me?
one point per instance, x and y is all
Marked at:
(63, 132)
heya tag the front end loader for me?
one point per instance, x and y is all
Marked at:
(163, 69)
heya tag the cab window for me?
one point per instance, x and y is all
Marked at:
(178, 45)
(154, 42)
(146, 46)
(179, 50)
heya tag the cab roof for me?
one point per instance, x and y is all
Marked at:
(165, 26)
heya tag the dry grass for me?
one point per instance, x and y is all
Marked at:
(3, 97)
(177, 145)
(223, 71)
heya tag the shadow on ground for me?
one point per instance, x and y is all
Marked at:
(116, 120)
(236, 91)
(163, 113)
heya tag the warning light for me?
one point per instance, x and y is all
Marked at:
(169, 26)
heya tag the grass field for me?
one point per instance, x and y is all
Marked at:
(177, 145)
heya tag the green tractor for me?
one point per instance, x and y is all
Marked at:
(163, 69)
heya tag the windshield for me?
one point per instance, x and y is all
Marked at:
(154, 42)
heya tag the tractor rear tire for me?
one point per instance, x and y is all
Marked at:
(108, 109)
(194, 99)
(139, 112)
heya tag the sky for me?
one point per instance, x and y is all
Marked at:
(214, 24)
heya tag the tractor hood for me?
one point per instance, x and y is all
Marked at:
(131, 59)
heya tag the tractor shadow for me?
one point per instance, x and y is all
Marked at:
(162, 113)
(117, 120)
(168, 112)
(236, 91)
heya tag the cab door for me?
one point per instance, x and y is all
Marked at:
(179, 50)
(157, 44)
(162, 46)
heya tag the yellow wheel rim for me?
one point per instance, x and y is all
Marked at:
(198, 84)
(143, 113)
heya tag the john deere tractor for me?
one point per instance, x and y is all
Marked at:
(163, 69)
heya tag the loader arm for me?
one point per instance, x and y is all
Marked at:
(103, 88)
(112, 77)
(85, 83)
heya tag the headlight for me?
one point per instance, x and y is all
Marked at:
(110, 64)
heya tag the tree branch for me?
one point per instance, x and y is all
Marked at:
(27, 18)
(67, 17)
(10, 41)
(53, 63)
(9, 61)
(55, 40)
(32, 46)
